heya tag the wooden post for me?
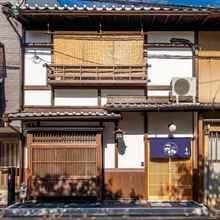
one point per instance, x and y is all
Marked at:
(21, 160)
(28, 172)
(99, 164)
(116, 147)
(200, 158)
(146, 157)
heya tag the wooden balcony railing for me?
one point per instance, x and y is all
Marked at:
(96, 74)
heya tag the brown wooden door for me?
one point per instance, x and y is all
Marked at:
(64, 164)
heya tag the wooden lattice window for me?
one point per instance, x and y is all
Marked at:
(59, 153)
(214, 147)
(8, 154)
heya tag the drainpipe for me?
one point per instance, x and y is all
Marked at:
(10, 13)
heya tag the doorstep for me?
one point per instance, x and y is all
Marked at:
(107, 209)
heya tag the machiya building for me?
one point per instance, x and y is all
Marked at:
(119, 102)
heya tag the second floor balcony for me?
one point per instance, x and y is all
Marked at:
(97, 75)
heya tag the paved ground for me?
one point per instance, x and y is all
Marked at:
(110, 218)
(107, 210)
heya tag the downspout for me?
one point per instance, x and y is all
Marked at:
(9, 13)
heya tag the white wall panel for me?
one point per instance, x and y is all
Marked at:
(35, 74)
(158, 93)
(76, 97)
(37, 37)
(158, 123)
(133, 126)
(163, 69)
(37, 97)
(109, 145)
(118, 92)
(165, 36)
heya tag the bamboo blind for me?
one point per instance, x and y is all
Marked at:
(98, 49)
(209, 65)
(169, 179)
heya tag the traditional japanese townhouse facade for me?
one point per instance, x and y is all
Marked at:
(10, 72)
(115, 98)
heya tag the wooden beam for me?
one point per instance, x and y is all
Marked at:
(37, 88)
(204, 20)
(158, 87)
(179, 19)
(62, 109)
(166, 19)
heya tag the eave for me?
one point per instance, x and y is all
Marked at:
(128, 16)
(162, 107)
(74, 116)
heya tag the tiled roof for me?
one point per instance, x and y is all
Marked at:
(162, 106)
(115, 7)
(64, 115)
(176, 3)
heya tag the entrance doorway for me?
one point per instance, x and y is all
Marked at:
(169, 179)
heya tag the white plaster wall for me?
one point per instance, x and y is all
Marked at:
(76, 97)
(158, 93)
(162, 69)
(133, 126)
(37, 37)
(109, 145)
(119, 92)
(165, 36)
(35, 74)
(158, 123)
(37, 97)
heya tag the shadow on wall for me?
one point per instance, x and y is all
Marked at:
(212, 187)
(62, 186)
(177, 185)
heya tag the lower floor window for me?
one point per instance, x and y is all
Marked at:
(8, 154)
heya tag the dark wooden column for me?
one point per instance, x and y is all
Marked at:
(99, 159)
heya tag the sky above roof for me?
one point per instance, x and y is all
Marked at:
(193, 3)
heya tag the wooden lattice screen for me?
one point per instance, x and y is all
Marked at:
(169, 179)
(64, 164)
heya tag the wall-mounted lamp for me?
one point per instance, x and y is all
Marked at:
(36, 59)
(172, 129)
(119, 136)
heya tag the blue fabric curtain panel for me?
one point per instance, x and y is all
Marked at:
(174, 148)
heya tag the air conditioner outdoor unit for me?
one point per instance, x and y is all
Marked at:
(181, 87)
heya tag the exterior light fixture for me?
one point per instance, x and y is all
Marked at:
(172, 129)
(36, 59)
(119, 134)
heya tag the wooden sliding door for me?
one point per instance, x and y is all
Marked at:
(65, 164)
(169, 179)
